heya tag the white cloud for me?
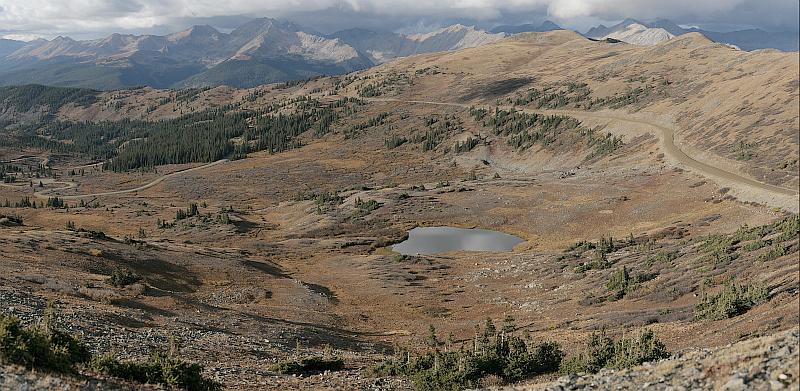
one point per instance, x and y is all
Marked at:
(103, 16)
(22, 37)
(613, 9)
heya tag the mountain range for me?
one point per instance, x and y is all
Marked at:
(269, 50)
(260, 51)
(650, 33)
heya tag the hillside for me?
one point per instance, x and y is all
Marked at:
(721, 101)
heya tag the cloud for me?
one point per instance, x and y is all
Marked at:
(22, 37)
(99, 17)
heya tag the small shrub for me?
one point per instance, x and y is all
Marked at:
(308, 365)
(599, 262)
(121, 278)
(665, 257)
(190, 212)
(719, 248)
(10, 220)
(732, 301)
(467, 145)
(40, 347)
(496, 357)
(367, 206)
(622, 283)
(755, 245)
(44, 347)
(159, 368)
(603, 352)
(394, 141)
(774, 252)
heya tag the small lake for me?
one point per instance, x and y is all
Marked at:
(432, 240)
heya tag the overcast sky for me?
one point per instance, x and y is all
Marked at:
(85, 19)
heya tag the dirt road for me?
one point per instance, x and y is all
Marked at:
(70, 185)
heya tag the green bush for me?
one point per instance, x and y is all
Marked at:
(44, 347)
(308, 365)
(719, 248)
(363, 208)
(603, 352)
(664, 257)
(394, 141)
(599, 262)
(774, 252)
(732, 301)
(755, 245)
(498, 354)
(159, 368)
(788, 227)
(622, 283)
(41, 347)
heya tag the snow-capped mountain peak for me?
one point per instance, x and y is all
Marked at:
(639, 34)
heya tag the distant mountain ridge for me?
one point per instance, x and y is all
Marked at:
(382, 47)
(527, 28)
(261, 51)
(639, 34)
(650, 33)
(8, 46)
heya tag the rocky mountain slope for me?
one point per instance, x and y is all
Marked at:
(638, 34)
(633, 32)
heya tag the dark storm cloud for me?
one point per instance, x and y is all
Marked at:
(94, 18)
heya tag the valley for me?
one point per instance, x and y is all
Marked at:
(647, 184)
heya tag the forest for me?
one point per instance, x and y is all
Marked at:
(206, 136)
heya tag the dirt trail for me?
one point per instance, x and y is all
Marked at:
(780, 196)
(70, 185)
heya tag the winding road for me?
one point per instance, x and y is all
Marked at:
(666, 138)
(49, 192)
